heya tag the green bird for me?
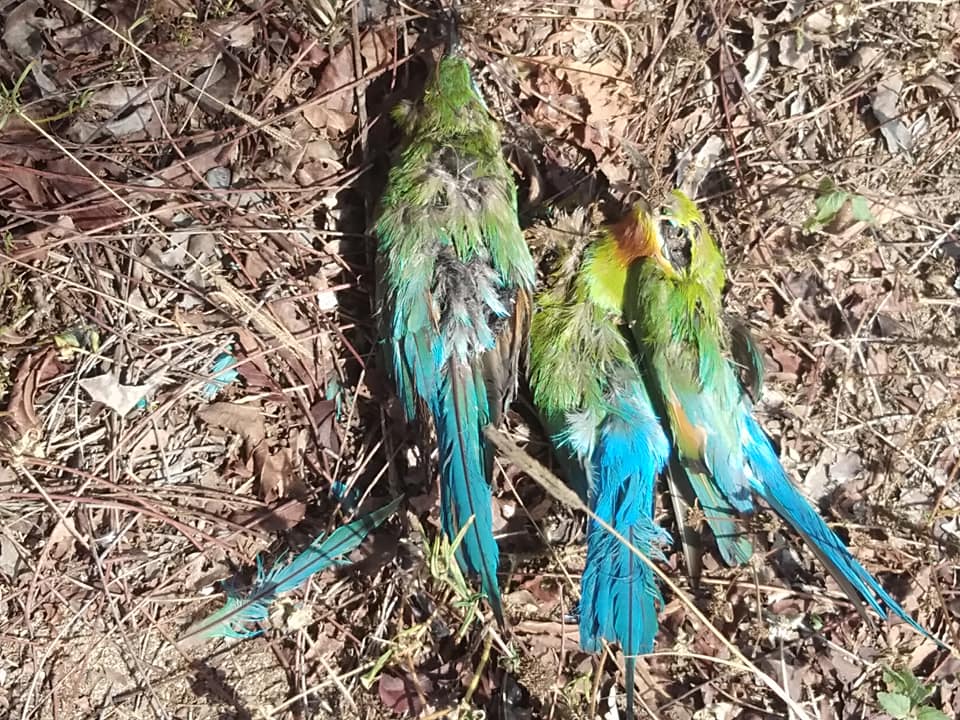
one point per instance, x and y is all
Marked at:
(673, 308)
(593, 401)
(454, 294)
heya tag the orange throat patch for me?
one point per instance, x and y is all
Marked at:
(636, 238)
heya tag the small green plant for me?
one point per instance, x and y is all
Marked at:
(446, 570)
(11, 104)
(830, 201)
(222, 8)
(907, 696)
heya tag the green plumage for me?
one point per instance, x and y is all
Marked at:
(595, 405)
(454, 293)
(575, 336)
(673, 306)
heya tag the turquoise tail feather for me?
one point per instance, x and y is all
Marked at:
(619, 592)
(770, 482)
(460, 414)
(724, 521)
(243, 610)
(686, 486)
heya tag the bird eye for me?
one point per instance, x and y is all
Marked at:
(676, 243)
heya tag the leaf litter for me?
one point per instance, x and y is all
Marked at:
(823, 137)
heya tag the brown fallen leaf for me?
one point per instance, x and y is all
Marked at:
(9, 556)
(27, 179)
(245, 420)
(62, 539)
(279, 517)
(884, 105)
(376, 48)
(255, 371)
(24, 29)
(403, 695)
(19, 424)
(234, 31)
(274, 470)
(788, 360)
(550, 633)
(70, 182)
(85, 37)
(278, 479)
(324, 414)
(335, 78)
(219, 83)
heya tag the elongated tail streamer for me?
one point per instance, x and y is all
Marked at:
(241, 611)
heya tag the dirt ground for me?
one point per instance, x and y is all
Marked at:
(181, 180)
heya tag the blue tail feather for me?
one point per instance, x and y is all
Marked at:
(620, 597)
(724, 521)
(576, 472)
(770, 482)
(619, 592)
(242, 610)
(460, 414)
(722, 457)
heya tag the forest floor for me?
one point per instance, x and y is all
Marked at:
(181, 180)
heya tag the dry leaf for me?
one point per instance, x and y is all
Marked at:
(274, 470)
(9, 556)
(67, 179)
(883, 103)
(107, 389)
(19, 422)
(791, 11)
(23, 29)
(116, 96)
(278, 479)
(62, 538)
(326, 118)
(847, 466)
(219, 83)
(949, 92)
(796, 50)
(255, 371)
(865, 56)
(403, 695)
(279, 518)
(233, 32)
(85, 37)
(184, 174)
(758, 59)
(245, 420)
(142, 119)
(335, 79)
(324, 414)
(376, 49)
(28, 179)
(691, 170)
(312, 160)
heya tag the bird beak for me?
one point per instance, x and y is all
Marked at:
(453, 46)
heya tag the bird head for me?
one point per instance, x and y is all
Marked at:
(638, 237)
(674, 236)
(452, 89)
